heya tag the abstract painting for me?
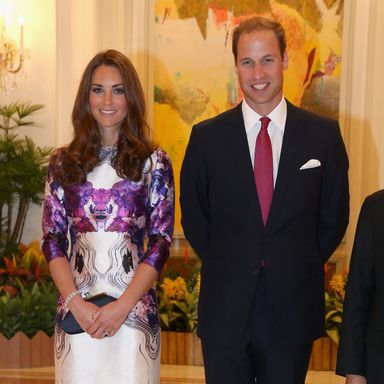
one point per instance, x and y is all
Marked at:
(194, 66)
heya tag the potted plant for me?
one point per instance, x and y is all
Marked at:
(178, 299)
(324, 351)
(27, 295)
(28, 300)
(30, 311)
(23, 168)
(334, 299)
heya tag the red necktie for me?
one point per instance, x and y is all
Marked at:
(263, 168)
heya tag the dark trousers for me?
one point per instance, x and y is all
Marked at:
(375, 360)
(262, 356)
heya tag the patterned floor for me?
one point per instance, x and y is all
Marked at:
(170, 374)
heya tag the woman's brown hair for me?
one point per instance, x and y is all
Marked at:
(75, 161)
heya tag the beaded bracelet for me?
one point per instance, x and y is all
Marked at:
(70, 297)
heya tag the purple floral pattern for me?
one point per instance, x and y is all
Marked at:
(107, 219)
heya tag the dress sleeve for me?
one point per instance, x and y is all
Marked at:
(54, 221)
(161, 207)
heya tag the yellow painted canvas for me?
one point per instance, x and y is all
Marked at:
(194, 67)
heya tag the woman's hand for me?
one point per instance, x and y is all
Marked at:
(83, 311)
(107, 320)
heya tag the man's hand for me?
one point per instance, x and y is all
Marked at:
(355, 379)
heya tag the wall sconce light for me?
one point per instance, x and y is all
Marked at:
(11, 57)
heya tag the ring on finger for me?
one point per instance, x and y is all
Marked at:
(106, 334)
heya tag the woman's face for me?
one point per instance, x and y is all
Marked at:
(108, 102)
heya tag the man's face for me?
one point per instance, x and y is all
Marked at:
(260, 69)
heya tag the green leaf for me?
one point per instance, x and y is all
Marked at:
(31, 311)
(333, 334)
(23, 169)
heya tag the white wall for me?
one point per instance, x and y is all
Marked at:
(361, 106)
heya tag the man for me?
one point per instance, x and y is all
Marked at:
(361, 354)
(263, 248)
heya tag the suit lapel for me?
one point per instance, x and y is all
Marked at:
(287, 162)
(240, 150)
(239, 145)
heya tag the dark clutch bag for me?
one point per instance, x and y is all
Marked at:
(71, 326)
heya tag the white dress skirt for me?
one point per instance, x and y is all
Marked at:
(120, 359)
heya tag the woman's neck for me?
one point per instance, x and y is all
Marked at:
(109, 137)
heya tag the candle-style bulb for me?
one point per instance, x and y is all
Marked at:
(21, 23)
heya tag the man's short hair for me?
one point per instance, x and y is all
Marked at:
(258, 23)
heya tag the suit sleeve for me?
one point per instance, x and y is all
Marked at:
(334, 201)
(358, 300)
(194, 195)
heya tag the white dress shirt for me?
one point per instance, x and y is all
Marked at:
(275, 130)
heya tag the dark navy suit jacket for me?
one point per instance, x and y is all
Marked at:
(222, 220)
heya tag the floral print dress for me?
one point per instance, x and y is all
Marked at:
(100, 227)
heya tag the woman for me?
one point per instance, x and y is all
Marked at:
(108, 189)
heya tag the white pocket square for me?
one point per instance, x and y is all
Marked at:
(313, 163)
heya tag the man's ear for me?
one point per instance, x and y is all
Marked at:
(285, 60)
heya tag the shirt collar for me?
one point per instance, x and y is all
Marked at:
(278, 116)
